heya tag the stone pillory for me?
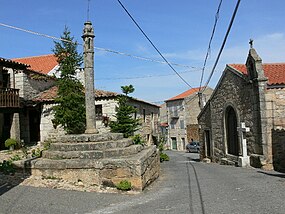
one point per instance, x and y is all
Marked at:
(88, 38)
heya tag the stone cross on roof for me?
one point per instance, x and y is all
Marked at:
(251, 43)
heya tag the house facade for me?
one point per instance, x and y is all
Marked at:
(181, 118)
(243, 123)
(105, 108)
(19, 116)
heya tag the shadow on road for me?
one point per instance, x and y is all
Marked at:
(280, 175)
(195, 177)
(12, 178)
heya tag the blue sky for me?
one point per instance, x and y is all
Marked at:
(180, 29)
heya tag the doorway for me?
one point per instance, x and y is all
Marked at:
(34, 125)
(231, 131)
(174, 143)
(208, 143)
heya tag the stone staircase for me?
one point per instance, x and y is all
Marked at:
(97, 159)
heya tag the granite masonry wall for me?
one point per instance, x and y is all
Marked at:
(234, 91)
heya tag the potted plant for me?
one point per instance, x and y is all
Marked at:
(10, 143)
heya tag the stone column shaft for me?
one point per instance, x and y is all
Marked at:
(88, 38)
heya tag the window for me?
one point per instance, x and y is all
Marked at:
(182, 126)
(98, 112)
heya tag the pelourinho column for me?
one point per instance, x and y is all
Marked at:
(88, 38)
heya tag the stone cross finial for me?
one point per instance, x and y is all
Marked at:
(251, 43)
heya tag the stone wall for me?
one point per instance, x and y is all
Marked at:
(193, 132)
(278, 149)
(29, 87)
(47, 130)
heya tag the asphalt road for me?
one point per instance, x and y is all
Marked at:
(185, 186)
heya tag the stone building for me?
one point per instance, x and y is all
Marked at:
(19, 84)
(105, 104)
(181, 118)
(243, 123)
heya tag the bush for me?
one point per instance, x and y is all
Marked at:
(10, 142)
(36, 152)
(163, 157)
(15, 158)
(137, 139)
(124, 185)
(6, 167)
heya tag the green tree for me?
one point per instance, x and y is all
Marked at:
(70, 108)
(125, 122)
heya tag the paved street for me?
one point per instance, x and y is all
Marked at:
(185, 186)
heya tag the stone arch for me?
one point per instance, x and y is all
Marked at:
(231, 133)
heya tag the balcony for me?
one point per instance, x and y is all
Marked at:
(9, 98)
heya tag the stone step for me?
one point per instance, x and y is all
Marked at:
(89, 146)
(88, 138)
(93, 154)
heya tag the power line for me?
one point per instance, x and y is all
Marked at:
(223, 44)
(96, 48)
(142, 77)
(210, 42)
(153, 44)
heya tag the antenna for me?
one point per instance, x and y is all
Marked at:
(88, 6)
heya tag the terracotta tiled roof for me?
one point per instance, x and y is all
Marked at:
(185, 94)
(42, 64)
(11, 63)
(275, 72)
(50, 94)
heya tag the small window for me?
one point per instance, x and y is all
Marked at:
(98, 112)
(182, 126)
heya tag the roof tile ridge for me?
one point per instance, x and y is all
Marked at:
(29, 57)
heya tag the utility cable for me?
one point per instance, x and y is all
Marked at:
(223, 44)
(153, 44)
(210, 42)
(142, 77)
(96, 48)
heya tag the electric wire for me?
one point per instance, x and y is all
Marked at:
(218, 57)
(210, 42)
(223, 45)
(168, 63)
(96, 48)
(143, 77)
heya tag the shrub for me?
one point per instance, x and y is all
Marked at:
(137, 139)
(163, 157)
(6, 167)
(36, 152)
(124, 185)
(47, 145)
(10, 142)
(15, 158)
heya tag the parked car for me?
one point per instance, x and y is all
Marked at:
(193, 147)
